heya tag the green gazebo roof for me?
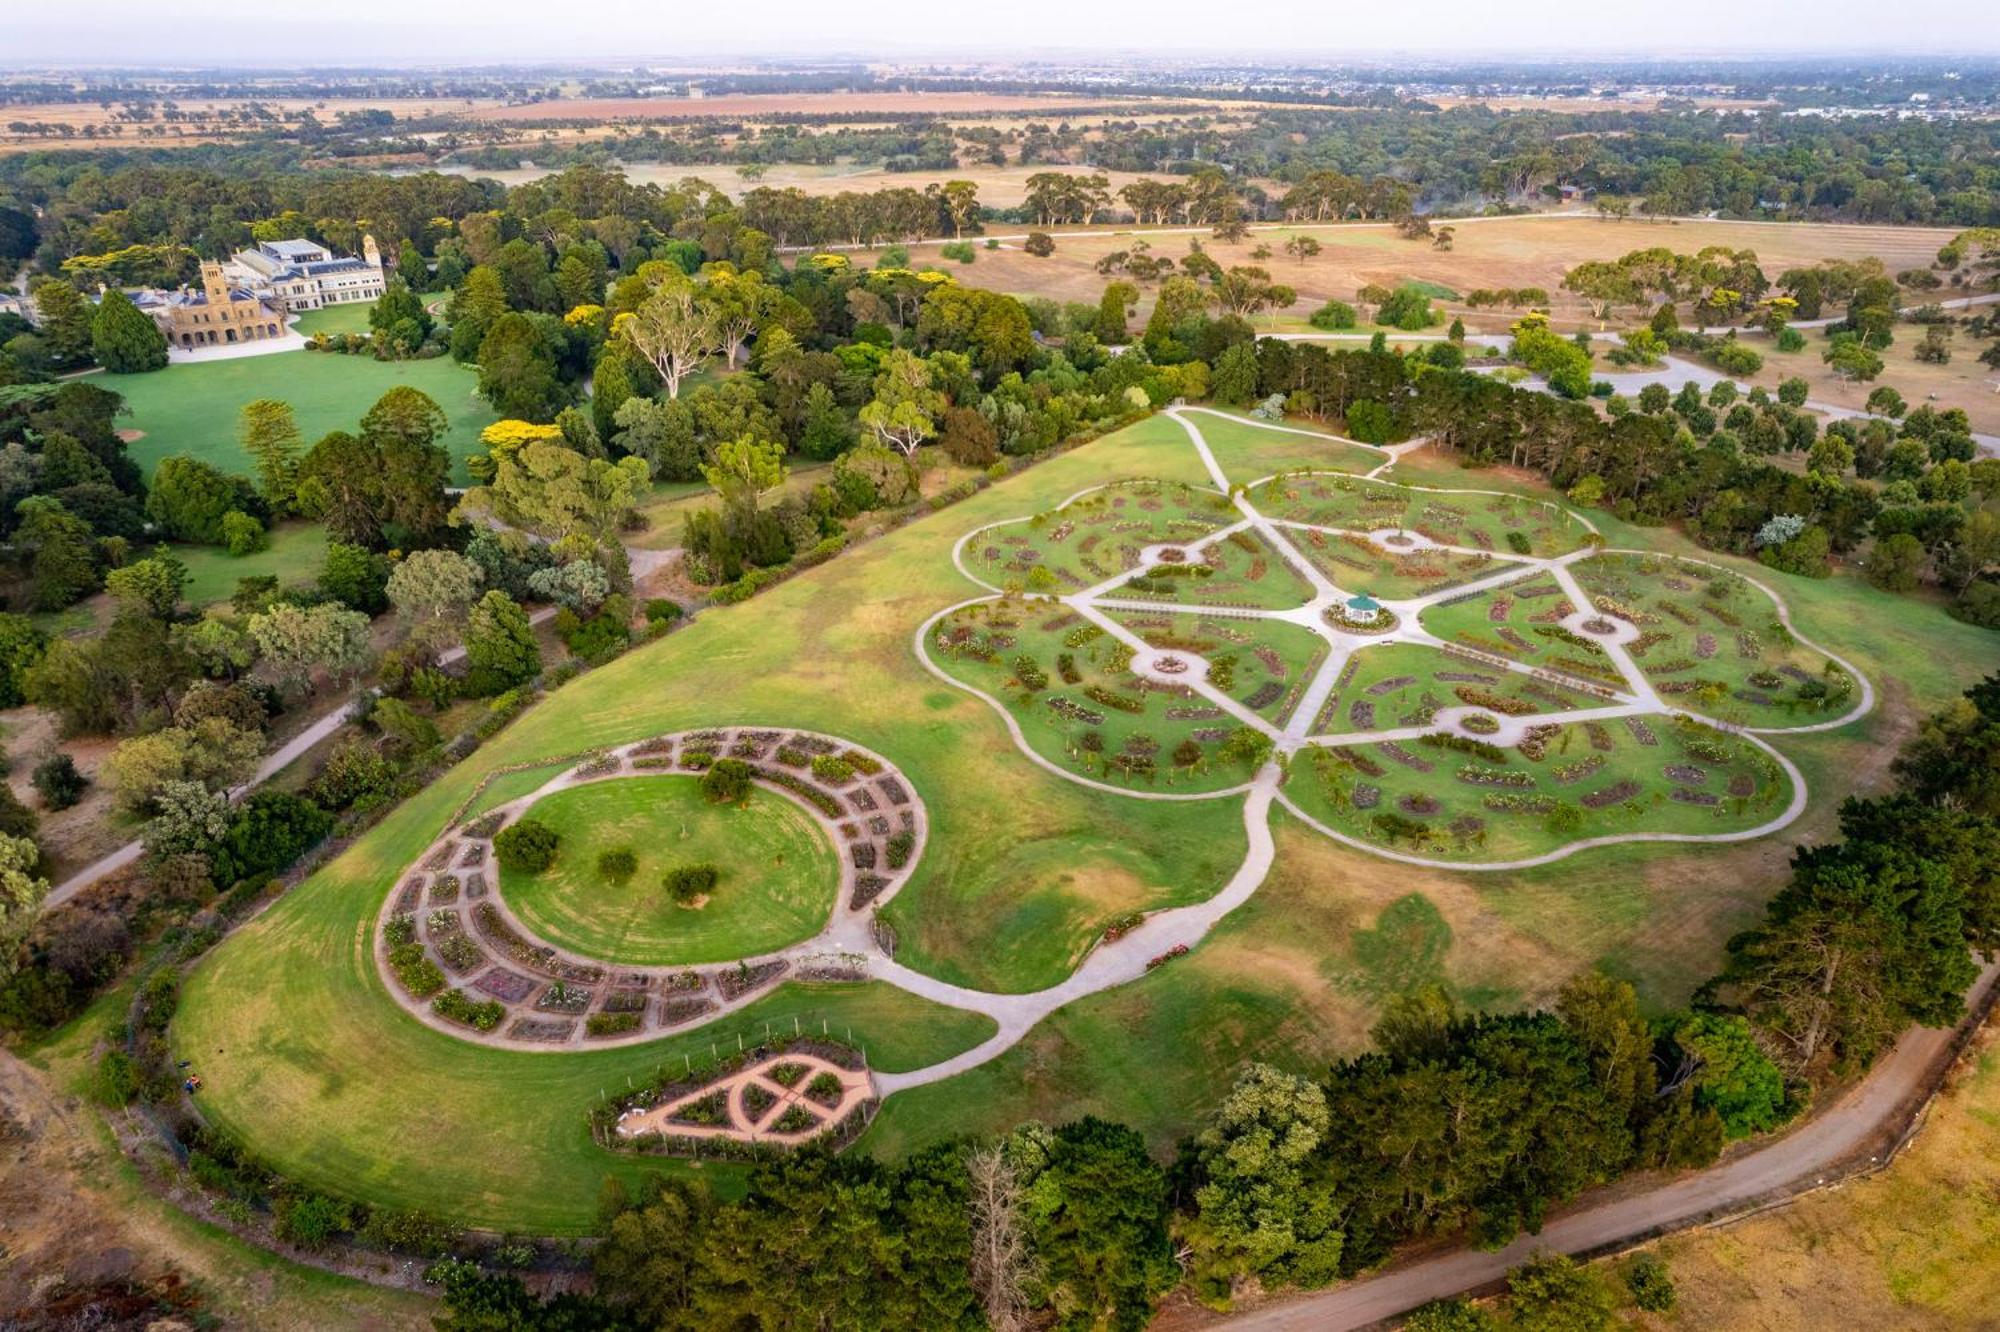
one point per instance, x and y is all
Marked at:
(1364, 602)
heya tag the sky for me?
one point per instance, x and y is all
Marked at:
(457, 32)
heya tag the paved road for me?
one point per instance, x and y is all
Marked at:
(1830, 1138)
(274, 763)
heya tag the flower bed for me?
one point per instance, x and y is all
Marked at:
(820, 800)
(1178, 950)
(1686, 775)
(1118, 702)
(1687, 797)
(796, 1119)
(484, 826)
(1478, 776)
(826, 1089)
(1479, 723)
(1418, 804)
(549, 1031)
(1568, 774)
(1366, 797)
(735, 984)
(1640, 731)
(460, 953)
(867, 887)
(1070, 710)
(611, 1024)
(1474, 696)
(508, 987)
(1742, 785)
(561, 998)
(415, 971)
(1616, 793)
(1515, 802)
(675, 1012)
(1406, 758)
(754, 1101)
(1534, 745)
(480, 1015)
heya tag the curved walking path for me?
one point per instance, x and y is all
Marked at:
(1873, 1109)
(1162, 935)
(273, 763)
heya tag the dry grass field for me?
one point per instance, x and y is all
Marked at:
(1529, 251)
(758, 105)
(203, 120)
(1910, 1249)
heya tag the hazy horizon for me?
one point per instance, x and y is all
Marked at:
(451, 33)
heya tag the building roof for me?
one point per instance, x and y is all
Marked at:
(294, 249)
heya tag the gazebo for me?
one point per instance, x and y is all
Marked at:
(1363, 609)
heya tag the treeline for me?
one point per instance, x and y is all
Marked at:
(1907, 498)
(1457, 1124)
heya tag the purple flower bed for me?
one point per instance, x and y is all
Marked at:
(1267, 693)
(1362, 714)
(741, 981)
(1686, 775)
(1421, 806)
(1704, 646)
(509, 987)
(1389, 686)
(1367, 797)
(1640, 731)
(1406, 758)
(1687, 797)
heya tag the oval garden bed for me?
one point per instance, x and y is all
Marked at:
(706, 882)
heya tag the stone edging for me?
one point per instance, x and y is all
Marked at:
(522, 971)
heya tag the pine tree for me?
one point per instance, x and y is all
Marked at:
(65, 322)
(269, 432)
(124, 339)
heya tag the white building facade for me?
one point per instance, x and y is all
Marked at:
(304, 275)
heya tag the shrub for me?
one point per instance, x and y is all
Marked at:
(1734, 358)
(617, 864)
(611, 1024)
(726, 781)
(659, 610)
(1652, 1286)
(528, 845)
(453, 1005)
(899, 848)
(242, 534)
(1332, 315)
(1040, 244)
(685, 883)
(312, 1220)
(58, 782)
(832, 769)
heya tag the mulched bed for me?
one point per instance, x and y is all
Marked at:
(1406, 758)
(541, 1029)
(1742, 784)
(625, 1001)
(1366, 797)
(1389, 686)
(741, 981)
(509, 987)
(1193, 714)
(1614, 794)
(1687, 797)
(1640, 731)
(1419, 805)
(1685, 775)
(674, 1012)
(1267, 694)
(867, 887)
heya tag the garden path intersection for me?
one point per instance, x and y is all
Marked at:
(860, 814)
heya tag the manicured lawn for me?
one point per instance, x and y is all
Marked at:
(777, 885)
(193, 408)
(1249, 451)
(308, 1061)
(349, 318)
(295, 555)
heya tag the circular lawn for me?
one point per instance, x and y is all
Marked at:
(776, 884)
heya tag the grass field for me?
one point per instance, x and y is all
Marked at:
(351, 317)
(1503, 253)
(305, 1058)
(777, 884)
(295, 555)
(192, 408)
(1911, 1248)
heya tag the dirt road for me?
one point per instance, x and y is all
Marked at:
(1869, 1109)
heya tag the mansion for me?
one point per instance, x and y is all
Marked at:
(300, 275)
(214, 315)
